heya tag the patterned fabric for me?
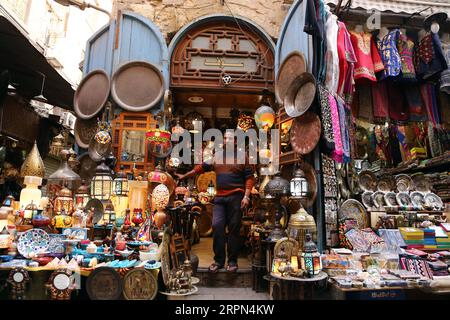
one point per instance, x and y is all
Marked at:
(338, 151)
(398, 109)
(415, 104)
(406, 50)
(368, 59)
(329, 177)
(365, 102)
(429, 98)
(380, 100)
(389, 54)
(430, 61)
(331, 223)
(445, 75)
(327, 123)
(346, 225)
(332, 76)
(347, 60)
(344, 129)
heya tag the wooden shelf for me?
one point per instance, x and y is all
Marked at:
(440, 166)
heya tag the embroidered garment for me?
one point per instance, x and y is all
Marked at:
(343, 122)
(406, 50)
(429, 98)
(389, 54)
(332, 75)
(430, 60)
(347, 60)
(338, 151)
(327, 123)
(414, 102)
(445, 75)
(368, 59)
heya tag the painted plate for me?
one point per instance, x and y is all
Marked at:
(432, 200)
(417, 199)
(378, 199)
(367, 199)
(140, 284)
(104, 283)
(404, 183)
(56, 244)
(193, 290)
(403, 199)
(353, 209)
(367, 180)
(391, 199)
(33, 241)
(386, 183)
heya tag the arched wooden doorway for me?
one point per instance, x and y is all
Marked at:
(218, 63)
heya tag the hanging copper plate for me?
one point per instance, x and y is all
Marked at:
(310, 175)
(367, 180)
(139, 284)
(91, 94)
(386, 183)
(292, 66)
(137, 86)
(305, 132)
(300, 95)
(104, 283)
(86, 167)
(84, 131)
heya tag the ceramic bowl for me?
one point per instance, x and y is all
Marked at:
(6, 258)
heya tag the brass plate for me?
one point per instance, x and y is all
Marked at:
(140, 284)
(293, 65)
(104, 284)
(353, 209)
(92, 93)
(367, 180)
(305, 133)
(84, 131)
(300, 95)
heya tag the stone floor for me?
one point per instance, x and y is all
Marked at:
(206, 293)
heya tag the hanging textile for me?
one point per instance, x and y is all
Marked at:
(389, 55)
(332, 74)
(429, 59)
(429, 98)
(397, 106)
(445, 75)
(406, 50)
(414, 102)
(338, 151)
(344, 129)
(365, 102)
(368, 59)
(314, 25)
(380, 100)
(347, 60)
(327, 123)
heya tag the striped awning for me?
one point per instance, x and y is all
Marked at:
(400, 6)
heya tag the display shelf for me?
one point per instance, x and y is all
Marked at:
(426, 168)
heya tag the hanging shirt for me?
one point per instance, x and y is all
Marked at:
(332, 76)
(430, 60)
(445, 75)
(347, 62)
(389, 55)
(368, 59)
(406, 50)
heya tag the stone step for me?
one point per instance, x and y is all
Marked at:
(243, 278)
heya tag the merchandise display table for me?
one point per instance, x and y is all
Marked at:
(291, 288)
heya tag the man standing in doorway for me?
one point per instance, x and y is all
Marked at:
(234, 183)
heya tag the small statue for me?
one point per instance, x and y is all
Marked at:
(90, 218)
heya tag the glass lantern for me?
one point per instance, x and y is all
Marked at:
(211, 189)
(30, 211)
(81, 196)
(279, 262)
(108, 214)
(64, 202)
(299, 185)
(101, 184)
(121, 183)
(310, 258)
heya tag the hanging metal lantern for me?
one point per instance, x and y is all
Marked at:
(192, 120)
(101, 183)
(121, 183)
(64, 202)
(64, 175)
(277, 187)
(33, 164)
(310, 257)
(300, 224)
(30, 211)
(82, 195)
(299, 185)
(178, 129)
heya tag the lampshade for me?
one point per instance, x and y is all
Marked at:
(82, 195)
(101, 184)
(277, 186)
(264, 117)
(158, 142)
(300, 224)
(160, 197)
(64, 202)
(33, 164)
(64, 175)
(244, 122)
(159, 176)
(299, 185)
(109, 214)
(178, 128)
(121, 183)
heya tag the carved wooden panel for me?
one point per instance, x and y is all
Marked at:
(210, 51)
